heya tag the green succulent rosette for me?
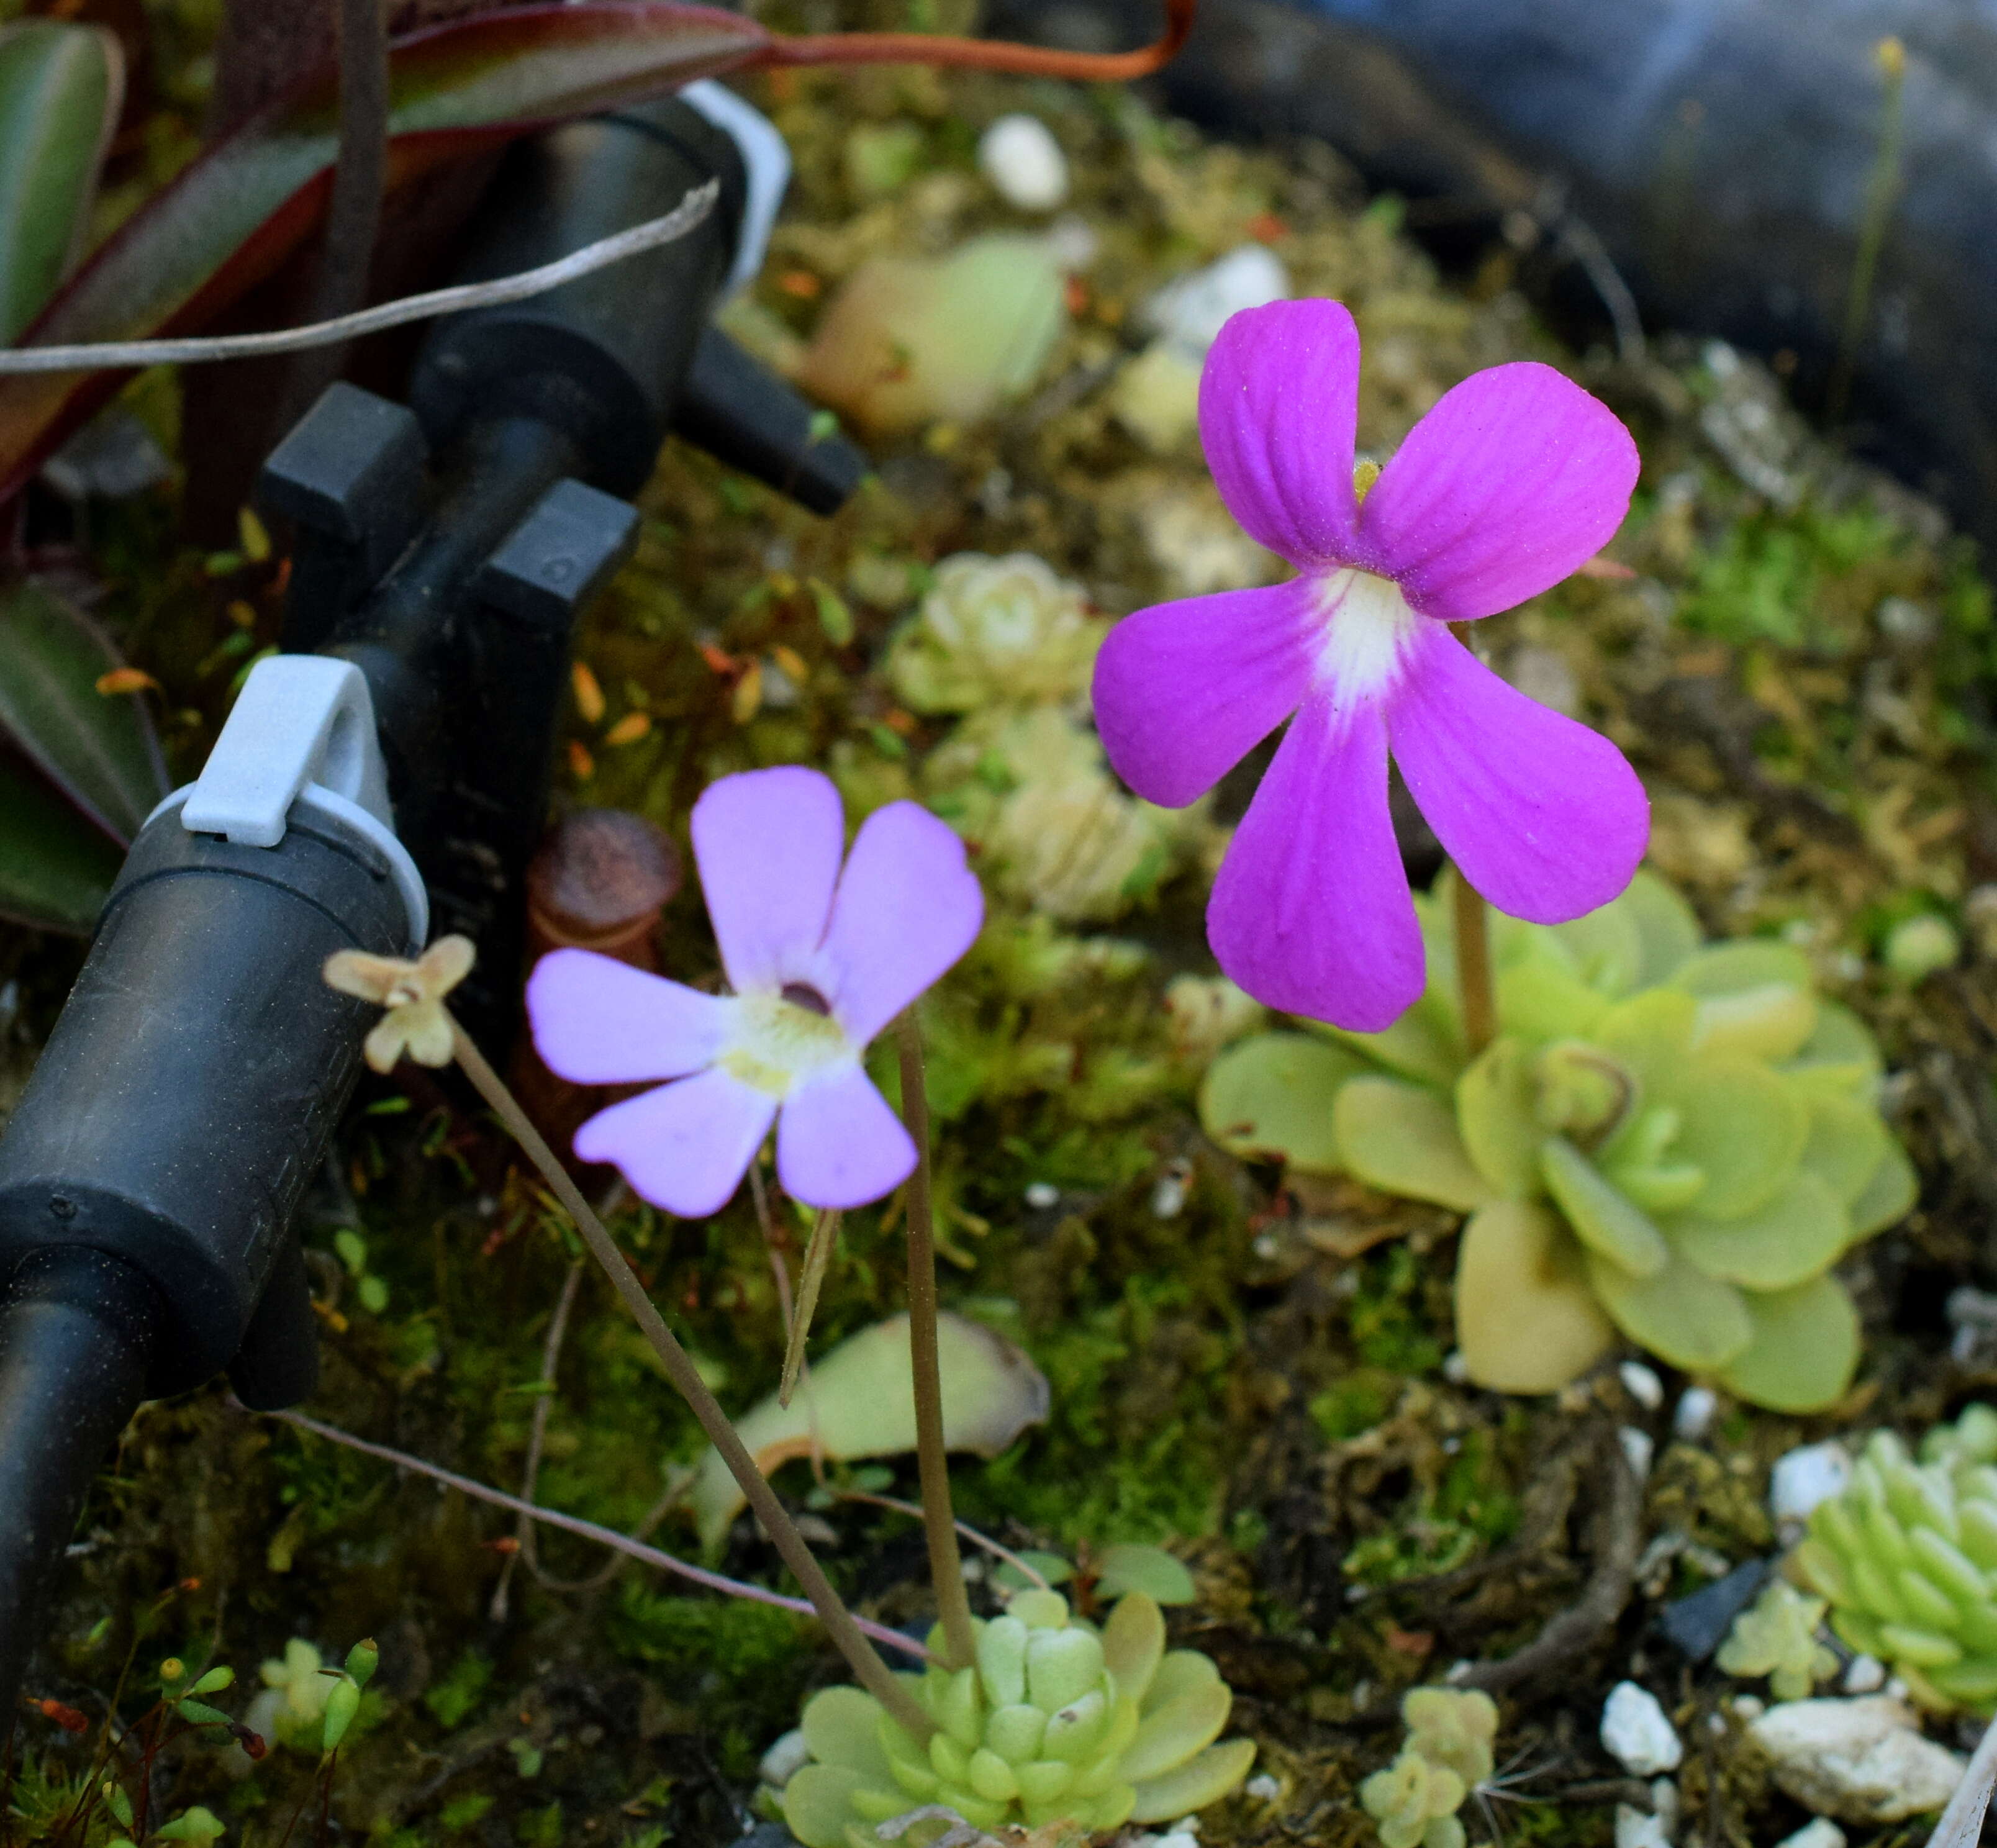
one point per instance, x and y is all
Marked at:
(1906, 1554)
(1055, 1721)
(1668, 1139)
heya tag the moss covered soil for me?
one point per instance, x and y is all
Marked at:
(1796, 655)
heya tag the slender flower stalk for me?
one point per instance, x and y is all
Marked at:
(817, 1258)
(1472, 922)
(415, 993)
(932, 1456)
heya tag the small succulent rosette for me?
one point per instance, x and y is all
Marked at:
(1008, 630)
(1055, 1721)
(1671, 1141)
(1906, 1554)
(1448, 1753)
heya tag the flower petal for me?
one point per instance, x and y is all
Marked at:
(1544, 817)
(597, 1021)
(1278, 402)
(684, 1147)
(1311, 912)
(838, 1144)
(1515, 479)
(1184, 691)
(908, 907)
(767, 843)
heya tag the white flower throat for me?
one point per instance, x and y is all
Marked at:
(1367, 626)
(776, 1042)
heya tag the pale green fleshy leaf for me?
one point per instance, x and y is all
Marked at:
(1425, 1043)
(1846, 1144)
(1272, 1095)
(1842, 1047)
(1665, 924)
(1182, 1671)
(1680, 1313)
(1456, 1727)
(1745, 963)
(1607, 946)
(1203, 1779)
(1493, 1116)
(1402, 1139)
(1649, 1034)
(1604, 1219)
(1134, 1644)
(1784, 1241)
(1803, 1351)
(1171, 1733)
(1112, 1809)
(1151, 1571)
(1539, 1000)
(1062, 1666)
(1527, 1318)
(1769, 1022)
(1740, 1123)
(818, 1803)
(842, 1725)
(1889, 1195)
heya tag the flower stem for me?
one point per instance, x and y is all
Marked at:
(866, 1661)
(931, 1458)
(1473, 965)
(818, 1255)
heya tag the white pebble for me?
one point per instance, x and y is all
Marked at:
(1020, 156)
(1192, 311)
(1805, 1477)
(1697, 1408)
(1642, 1384)
(1638, 1449)
(1041, 1194)
(784, 1759)
(1455, 1369)
(1820, 1832)
(1747, 1708)
(1638, 1828)
(1263, 1788)
(1665, 1803)
(1637, 1734)
(1866, 1675)
(1861, 1760)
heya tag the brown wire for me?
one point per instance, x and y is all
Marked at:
(986, 54)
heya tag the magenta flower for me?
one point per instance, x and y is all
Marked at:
(820, 960)
(1513, 480)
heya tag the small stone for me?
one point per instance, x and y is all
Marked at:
(1867, 1674)
(1043, 1194)
(1638, 1449)
(1263, 1788)
(1638, 1828)
(1821, 1833)
(1979, 912)
(1642, 1384)
(1747, 1707)
(784, 1759)
(1665, 1803)
(1637, 1734)
(1020, 156)
(1455, 1369)
(1698, 1622)
(1692, 1418)
(1191, 310)
(1861, 1761)
(1805, 1477)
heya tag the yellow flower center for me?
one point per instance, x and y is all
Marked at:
(778, 1042)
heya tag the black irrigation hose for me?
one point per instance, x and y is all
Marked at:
(76, 1329)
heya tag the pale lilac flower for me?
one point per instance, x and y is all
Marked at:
(1513, 480)
(819, 960)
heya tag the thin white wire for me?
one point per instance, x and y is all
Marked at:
(98, 356)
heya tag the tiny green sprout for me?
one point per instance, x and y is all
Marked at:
(341, 1706)
(362, 1660)
(1452, 1732)
(214, 1681)
(1777, 1636)
(1906, 1555)
(1918, 946)
(1669, 1141)
(193, 1825)
(1055, 1721)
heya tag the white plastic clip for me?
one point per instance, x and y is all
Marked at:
(766, 158)
(301, 734)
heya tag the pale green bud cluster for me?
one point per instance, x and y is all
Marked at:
(1777, 1636)
(995, 629)
(1907, 1555)
(1413, 1802)
(1667, 1142)
(1055, 1722)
